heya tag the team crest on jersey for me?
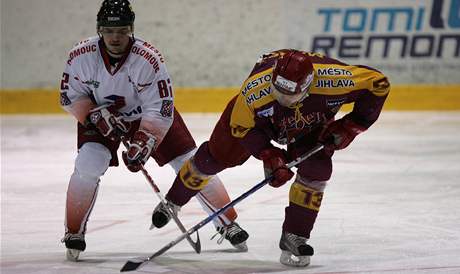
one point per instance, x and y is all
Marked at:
(95, 117)
(65, 101)
(166, 108)
(266, 112)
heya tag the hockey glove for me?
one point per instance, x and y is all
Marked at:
(340, 133)
(275, 164)
(142, 145)
(109, 122)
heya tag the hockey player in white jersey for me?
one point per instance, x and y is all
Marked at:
(117, 84)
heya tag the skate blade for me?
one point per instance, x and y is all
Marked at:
(241, 247)
(72, 254)
(289, 259)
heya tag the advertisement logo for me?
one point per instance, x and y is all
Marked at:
(430, 30)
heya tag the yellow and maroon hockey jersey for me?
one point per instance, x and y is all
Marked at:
(334, 84)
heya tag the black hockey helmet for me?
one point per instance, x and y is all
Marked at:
(115, 13)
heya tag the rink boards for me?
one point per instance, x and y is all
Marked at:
(402, 97)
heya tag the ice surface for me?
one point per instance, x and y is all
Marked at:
(392, 205)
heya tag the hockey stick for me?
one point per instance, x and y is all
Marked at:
(195, 245)
(131, 265)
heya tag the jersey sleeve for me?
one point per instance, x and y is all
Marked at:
(254, 93)
(157, 101)
(364, 86)
(254, 96)
(373, 89)
(245, 127)
(74, 94)
(242, 118)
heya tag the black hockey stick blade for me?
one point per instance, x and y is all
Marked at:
(135, 264)
(132, 265)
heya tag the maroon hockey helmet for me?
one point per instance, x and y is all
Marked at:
(292, 77)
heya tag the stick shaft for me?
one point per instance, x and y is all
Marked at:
(234, 202)
(195, 245)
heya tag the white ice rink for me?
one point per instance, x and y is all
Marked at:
(392, 205)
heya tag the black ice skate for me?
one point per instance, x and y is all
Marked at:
(75, 243)
(294, 250)
(161, 215)
(235, 235)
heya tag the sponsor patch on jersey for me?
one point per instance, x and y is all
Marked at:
(335, 102)
(166, 108)
(92, 82)
(266, 112)
(65, 101)
(334, 72)
(256, 82)
(258, 95)
(339, 83)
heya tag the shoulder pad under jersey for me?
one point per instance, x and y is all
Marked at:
(148, 53)
(257, 89)
(85, 47)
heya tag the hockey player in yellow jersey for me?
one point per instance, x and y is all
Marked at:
(291, 97)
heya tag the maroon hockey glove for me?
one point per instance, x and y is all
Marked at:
(275, 164)
(340, 133)
(109, 122)
(142, 145)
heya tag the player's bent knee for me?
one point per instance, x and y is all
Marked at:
(307, 194)
(92, 161)
(180, 160)
(192, 178)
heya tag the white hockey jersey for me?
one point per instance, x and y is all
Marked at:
(140, 82)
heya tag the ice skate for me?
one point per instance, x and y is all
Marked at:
(235, 235)
(294, 250)
(161, 215)
(75, 243)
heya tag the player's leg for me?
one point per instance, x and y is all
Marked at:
(94, 157)
(220, 152)
(91, 163)
(225, 223)
(305, 196)
(192, 179)
(212, 196)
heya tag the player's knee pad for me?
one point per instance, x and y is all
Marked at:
(179, 161)
(92, 161)
(307, 194)
(191, 177)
